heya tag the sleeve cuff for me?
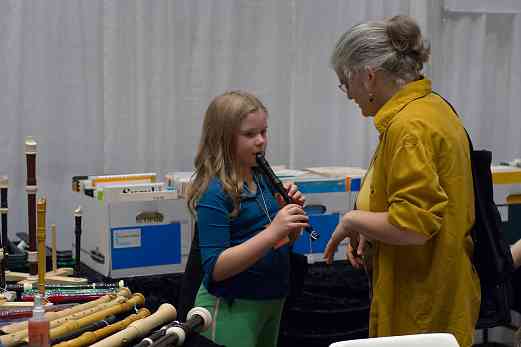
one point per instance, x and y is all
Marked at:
(405, 215)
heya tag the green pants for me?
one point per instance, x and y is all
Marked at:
(244, 323)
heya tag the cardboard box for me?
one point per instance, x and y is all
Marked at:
(336, 193)
(145, 233)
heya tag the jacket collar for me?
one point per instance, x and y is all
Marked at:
(411, 91)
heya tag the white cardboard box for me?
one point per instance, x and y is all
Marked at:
(337, 194)
(135, 237)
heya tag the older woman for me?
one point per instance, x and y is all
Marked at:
(416, 202)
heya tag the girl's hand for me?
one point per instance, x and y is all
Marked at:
(295, 195)
(290, 218)
(294, 235)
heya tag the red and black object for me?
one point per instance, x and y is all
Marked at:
(32, 188)
(68, 297)
(4, 241)
(77, 234)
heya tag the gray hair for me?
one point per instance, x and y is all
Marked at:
(394, 45)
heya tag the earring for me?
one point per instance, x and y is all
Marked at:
(371, 97)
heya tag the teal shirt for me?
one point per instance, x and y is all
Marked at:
(268, 278)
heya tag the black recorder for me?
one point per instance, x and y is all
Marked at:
(279, 188)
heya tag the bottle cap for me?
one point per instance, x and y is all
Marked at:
(38, 310)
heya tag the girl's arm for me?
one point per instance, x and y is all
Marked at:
(236, 259)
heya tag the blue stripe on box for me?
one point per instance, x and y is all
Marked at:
(325, 224)
(149, 245)
(327, 186)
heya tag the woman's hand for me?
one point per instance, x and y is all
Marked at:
(356, 250)
(290, 218)
(341, 232)
(516, 253)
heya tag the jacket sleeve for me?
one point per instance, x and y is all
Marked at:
(416, 200)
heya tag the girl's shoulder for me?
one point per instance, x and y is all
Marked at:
(215, 187)
(214, 194)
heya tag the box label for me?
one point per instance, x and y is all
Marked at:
(126, 238)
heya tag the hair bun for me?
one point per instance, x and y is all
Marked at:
(406, 38)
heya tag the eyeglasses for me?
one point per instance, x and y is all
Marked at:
(343, 88)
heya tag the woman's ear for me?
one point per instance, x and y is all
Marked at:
(370, 80)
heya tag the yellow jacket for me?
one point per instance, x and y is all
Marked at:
(422, 177)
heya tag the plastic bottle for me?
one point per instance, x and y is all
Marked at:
(38, 325)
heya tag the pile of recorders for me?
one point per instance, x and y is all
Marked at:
(63, 293)
(113, 320)
(57, 297)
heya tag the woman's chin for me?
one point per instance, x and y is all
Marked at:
(366, 113)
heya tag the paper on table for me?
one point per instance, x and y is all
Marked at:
(337, 171)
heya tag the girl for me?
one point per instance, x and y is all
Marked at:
(246, 276)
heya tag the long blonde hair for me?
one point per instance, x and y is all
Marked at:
(216, 152)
